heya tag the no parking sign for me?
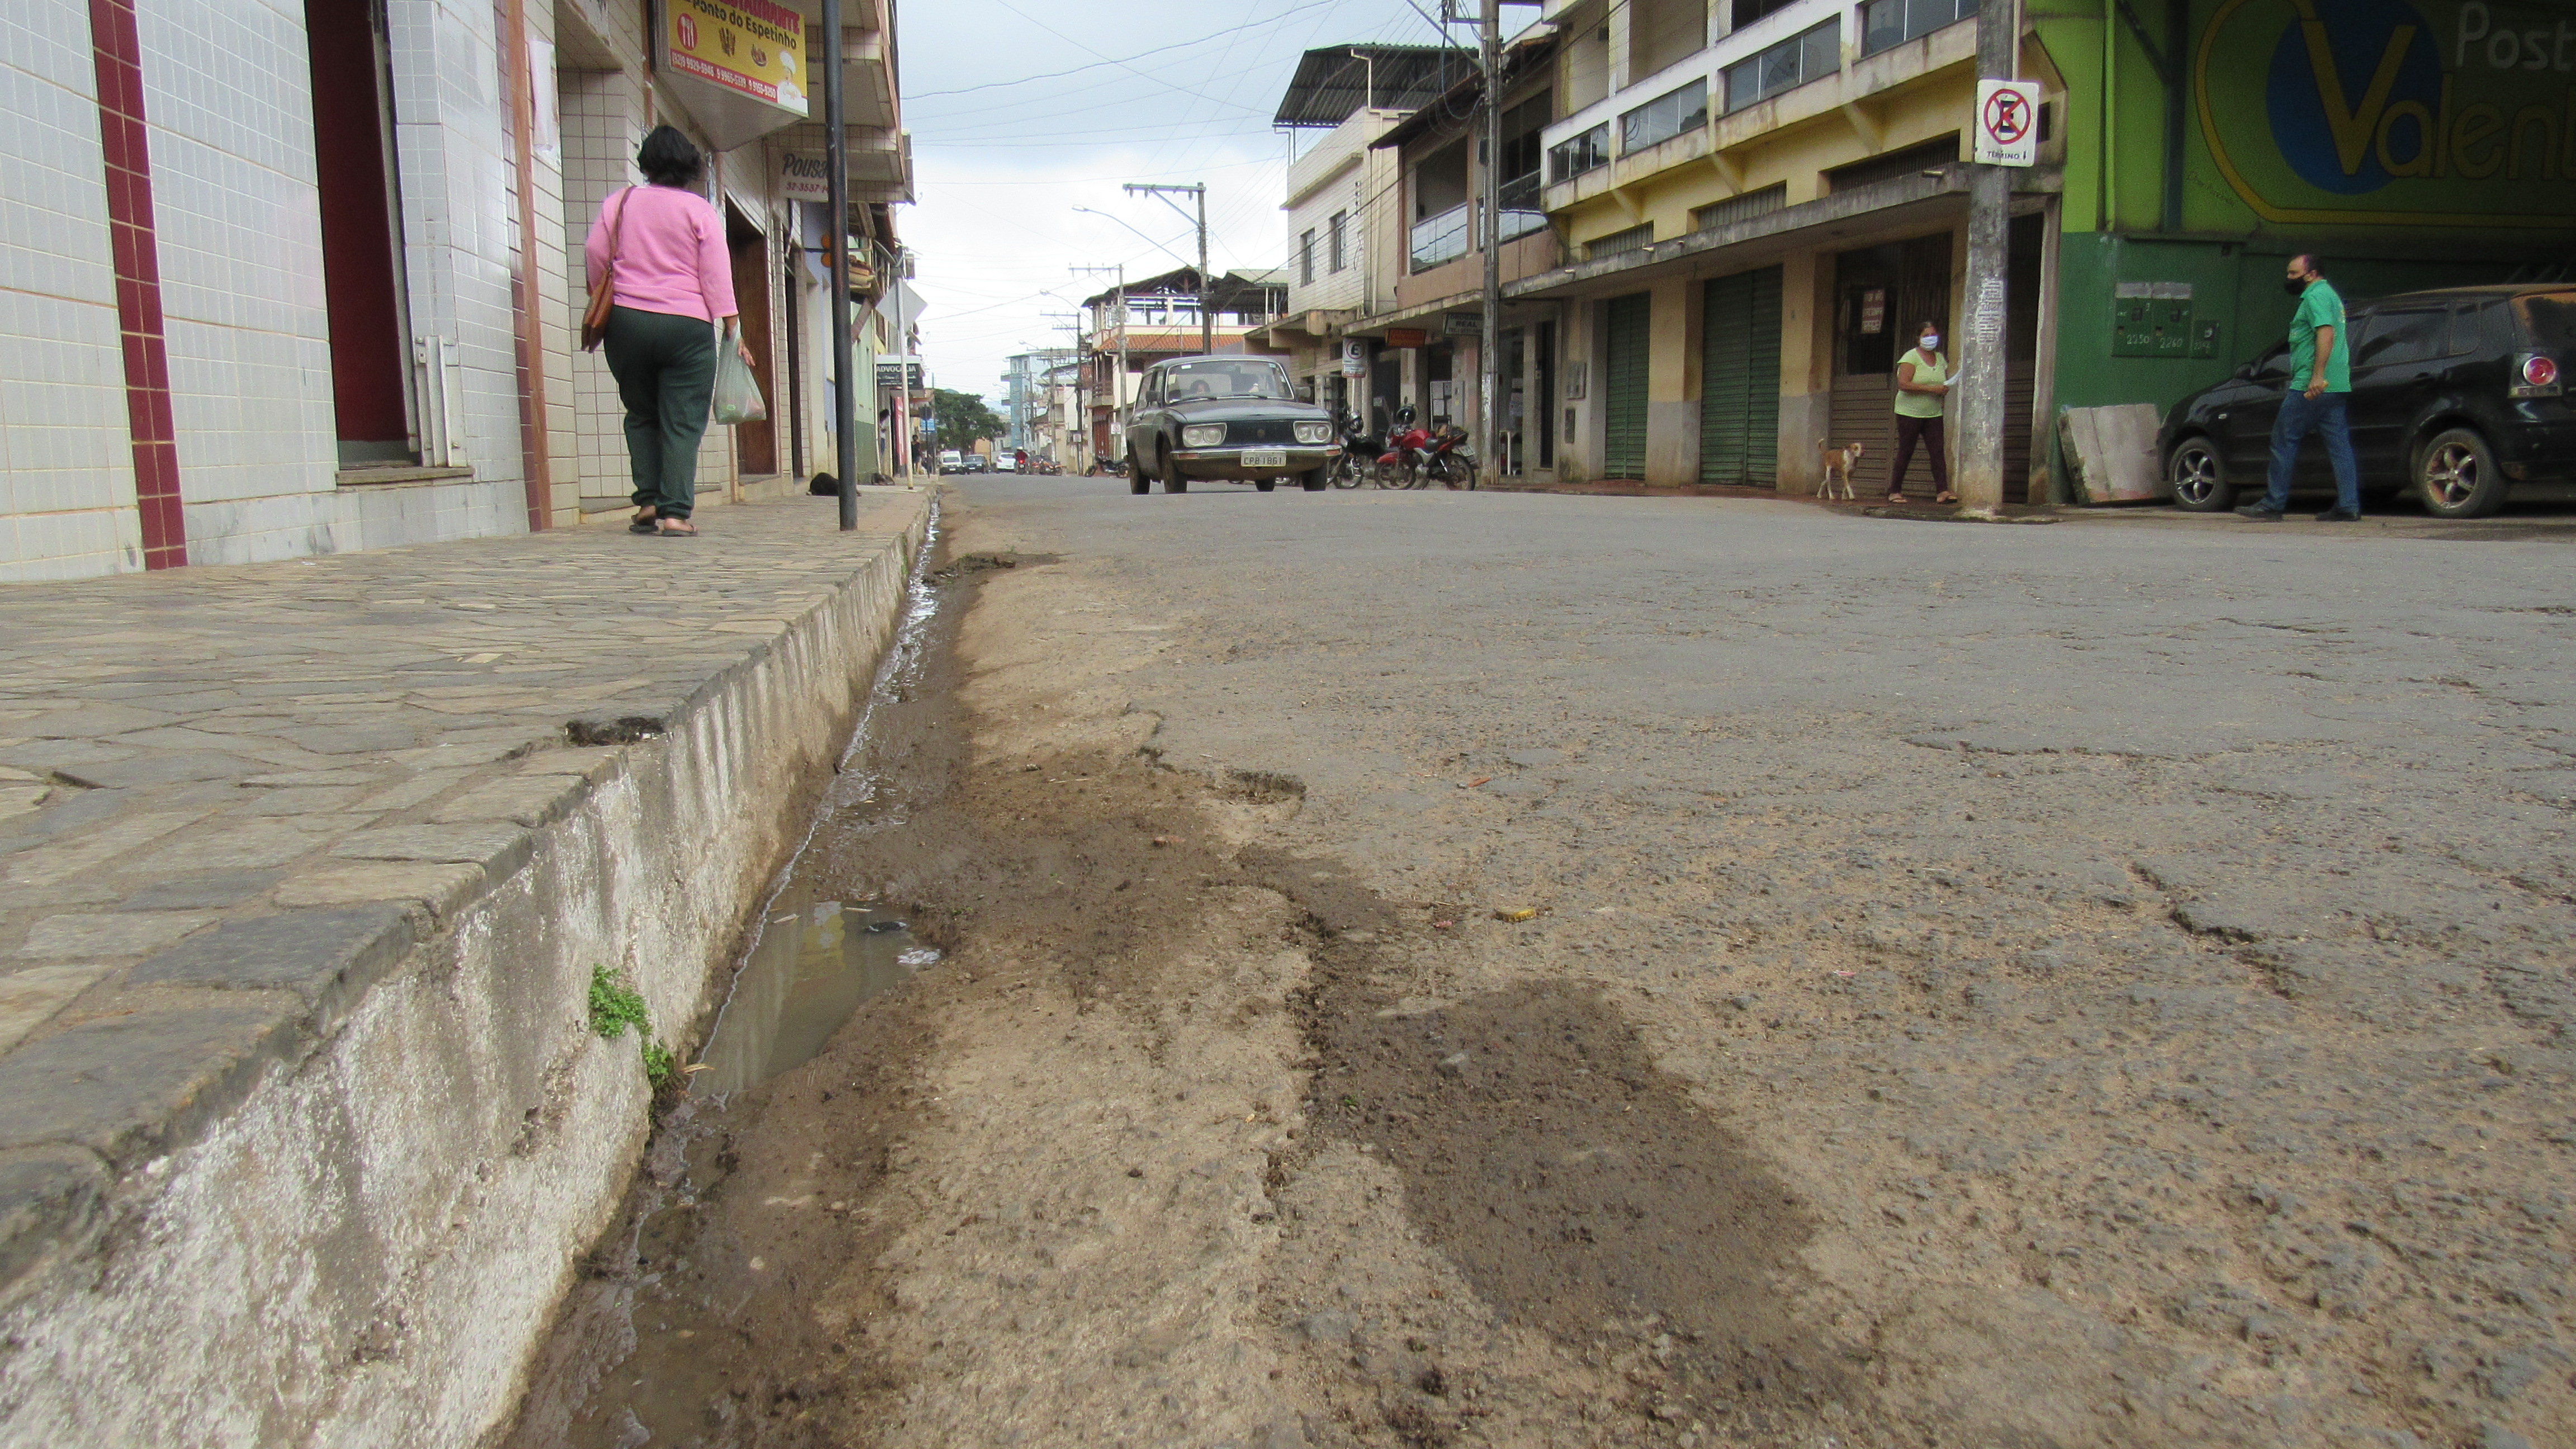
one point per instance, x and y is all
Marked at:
(2007, 129)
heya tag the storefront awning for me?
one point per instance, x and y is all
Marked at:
(1863, 214)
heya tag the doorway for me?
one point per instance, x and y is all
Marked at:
(1546, 401)
(755, 443)
(1623, 386)
(362, 271)
(1881, 295)
(1739, 409)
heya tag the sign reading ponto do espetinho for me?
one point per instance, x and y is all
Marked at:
(2457, 113)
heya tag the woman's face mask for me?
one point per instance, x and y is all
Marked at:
(1931, 341)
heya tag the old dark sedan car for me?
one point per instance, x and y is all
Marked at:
(2456, 394)
(1233, 418)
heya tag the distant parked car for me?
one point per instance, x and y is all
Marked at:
(1234, 418)
(951, 461)
(2456, 394)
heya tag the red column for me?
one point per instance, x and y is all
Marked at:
(118, 54)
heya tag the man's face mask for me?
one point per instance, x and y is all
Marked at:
(2294, 285)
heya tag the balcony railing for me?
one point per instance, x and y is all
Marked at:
(1886, 23)
(1575, 155)
(1811, 55)
(1522, 212)
(1664, 117)
(1441, 238)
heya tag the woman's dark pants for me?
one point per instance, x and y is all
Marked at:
(665, 368)
(1926, 431)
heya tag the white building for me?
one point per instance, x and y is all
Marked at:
(303, 277)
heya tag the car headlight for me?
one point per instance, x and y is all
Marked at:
(1314, 432)
(1202, 435)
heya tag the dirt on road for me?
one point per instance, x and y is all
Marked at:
(1203, 1135)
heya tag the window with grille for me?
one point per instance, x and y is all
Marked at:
(1337, 229)
(1306, 260)
(1740, 208)
(1813, 55)
(1617, 242)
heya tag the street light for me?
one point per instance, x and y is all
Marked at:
(1207, 284)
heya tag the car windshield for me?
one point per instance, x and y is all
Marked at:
(2550, 320)
(1194, 381)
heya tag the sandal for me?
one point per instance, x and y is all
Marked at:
(642, 522)
(1947, 498)
(674, 528)
(1896, 497)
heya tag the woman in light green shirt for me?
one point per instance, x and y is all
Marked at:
(1922, 384)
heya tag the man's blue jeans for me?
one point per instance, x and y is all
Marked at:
(2301, 415)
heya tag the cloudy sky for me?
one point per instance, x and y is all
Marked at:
(1022, 110)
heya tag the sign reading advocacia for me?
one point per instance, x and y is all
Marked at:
(750, 47)
(2393, 112)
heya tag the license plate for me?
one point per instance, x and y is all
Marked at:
(1265, 460)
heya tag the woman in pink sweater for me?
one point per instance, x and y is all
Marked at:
(673, 284)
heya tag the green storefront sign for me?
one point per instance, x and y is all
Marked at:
(2392, 113)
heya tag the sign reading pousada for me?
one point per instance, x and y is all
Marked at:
(2393, 112)
(750, 47)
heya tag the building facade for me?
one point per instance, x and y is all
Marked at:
(295, 279)
(1760, 200)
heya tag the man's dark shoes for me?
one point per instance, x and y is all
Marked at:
(2259, 513)
(2337, 515)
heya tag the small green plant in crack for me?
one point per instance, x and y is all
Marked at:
(616, 1005)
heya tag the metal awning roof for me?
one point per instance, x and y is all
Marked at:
(1333, 82)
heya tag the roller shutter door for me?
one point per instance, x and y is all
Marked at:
(1623, 396)
(1739, 409)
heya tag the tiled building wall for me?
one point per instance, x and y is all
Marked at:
(556, 322)
(460, 236)
(603, 123)
(66, 464)
(227, 91)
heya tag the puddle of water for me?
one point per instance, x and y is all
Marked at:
(629, 1366)
(812, 965)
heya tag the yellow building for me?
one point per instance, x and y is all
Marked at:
(1760, 202)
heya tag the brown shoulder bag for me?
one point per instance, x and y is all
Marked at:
(603, 288)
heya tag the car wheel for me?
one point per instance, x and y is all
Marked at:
(1173, 482)
(1138, 481)
(1316, 481)
(2458, 477)
(1264, 485)
(2199, 477)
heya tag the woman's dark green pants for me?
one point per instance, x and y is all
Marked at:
(665, 368)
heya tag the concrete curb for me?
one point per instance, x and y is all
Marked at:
(324, 1176)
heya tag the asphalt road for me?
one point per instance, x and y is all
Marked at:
(2140, 957)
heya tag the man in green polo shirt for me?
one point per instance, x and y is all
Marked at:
(2318, 399)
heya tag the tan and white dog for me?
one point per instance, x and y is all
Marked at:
(1838, 461)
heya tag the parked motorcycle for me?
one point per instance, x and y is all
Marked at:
(1400, 465)
(1448, 461)
(1351, 469)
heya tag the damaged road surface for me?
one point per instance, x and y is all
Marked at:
(1449, 969)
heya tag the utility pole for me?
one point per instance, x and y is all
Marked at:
(1979, 392)
(1489, 345)
(836, 160)
(1118, 380)
(1207, 284)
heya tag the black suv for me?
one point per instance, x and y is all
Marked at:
(2455, 394)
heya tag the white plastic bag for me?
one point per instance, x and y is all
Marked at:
(737, 391)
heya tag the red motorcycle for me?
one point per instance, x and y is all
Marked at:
(1400, 466)
(1416, 456)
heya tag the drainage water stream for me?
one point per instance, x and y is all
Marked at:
(624, 1367)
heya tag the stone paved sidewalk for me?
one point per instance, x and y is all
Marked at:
(187, 757)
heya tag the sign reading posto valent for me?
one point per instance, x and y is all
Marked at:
(2007, 123)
